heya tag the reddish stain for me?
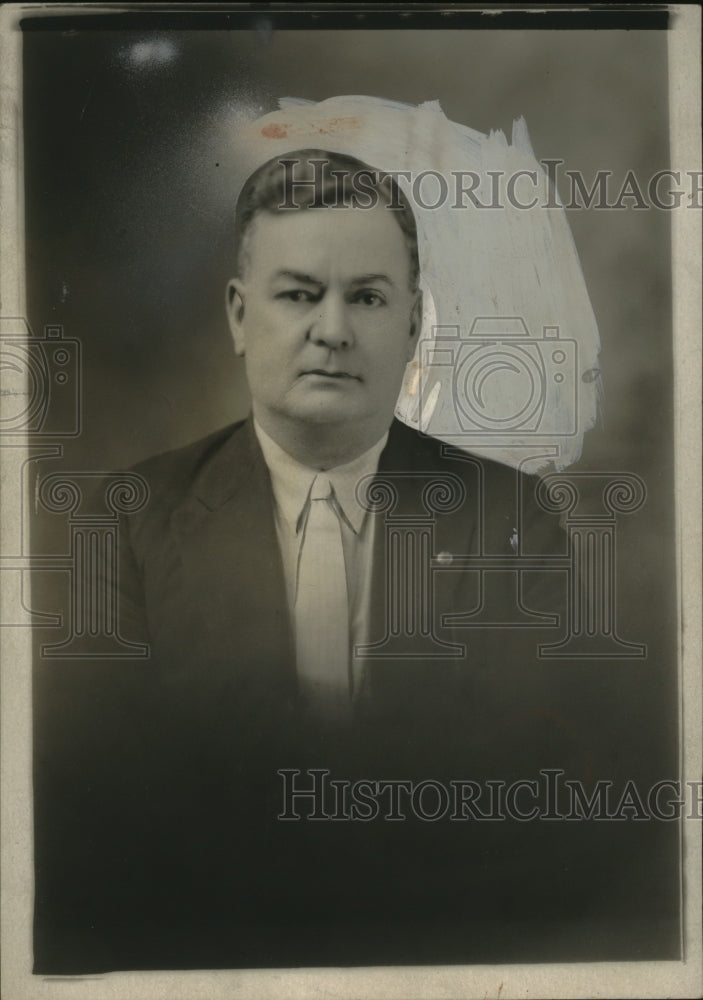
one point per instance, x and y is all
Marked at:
(329, 127)
(344, 123)
(338, 125)
(275, 131)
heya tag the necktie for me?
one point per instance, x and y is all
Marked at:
(322, 609)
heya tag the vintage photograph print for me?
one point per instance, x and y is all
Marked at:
(349, 408)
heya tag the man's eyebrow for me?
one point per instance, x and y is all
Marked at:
(305, 279)
(308, 279)
(367, 279)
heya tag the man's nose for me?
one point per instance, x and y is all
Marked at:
(331, 326)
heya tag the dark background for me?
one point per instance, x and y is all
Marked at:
(129, 194)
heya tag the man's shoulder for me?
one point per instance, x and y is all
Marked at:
(413, 451)
(188, 458)
(504, 498)
(170, 475)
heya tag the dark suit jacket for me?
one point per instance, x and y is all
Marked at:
(157, 784)
(202, 578)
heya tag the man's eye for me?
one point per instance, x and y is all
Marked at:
(297, 295)
(370, 298)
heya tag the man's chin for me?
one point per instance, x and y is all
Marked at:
(324, 416)
(328, 406)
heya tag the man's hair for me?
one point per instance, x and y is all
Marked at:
(317, 179)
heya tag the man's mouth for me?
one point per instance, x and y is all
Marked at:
(331, 374)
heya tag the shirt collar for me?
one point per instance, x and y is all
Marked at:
(291, 480)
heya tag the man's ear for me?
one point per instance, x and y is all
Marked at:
(235, 314)
(415, 325)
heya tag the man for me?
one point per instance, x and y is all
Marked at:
(282, 575)
(325, 307)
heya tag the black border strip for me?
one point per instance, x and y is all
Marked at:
(282, 17)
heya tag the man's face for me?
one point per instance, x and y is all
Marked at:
(325, 316)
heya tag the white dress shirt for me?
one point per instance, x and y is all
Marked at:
(291, 483)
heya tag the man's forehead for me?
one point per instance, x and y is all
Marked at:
(361, 241)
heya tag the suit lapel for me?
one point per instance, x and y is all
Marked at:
(231, 565)
(409, 464)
